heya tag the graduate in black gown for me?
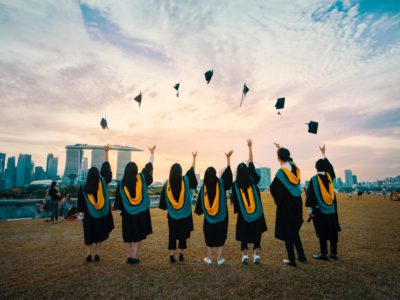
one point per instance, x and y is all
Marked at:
(247, 204)
(212, 203)
(286, 191)
(93, 201)
(176, 198)
(132, 200)
(322, 204)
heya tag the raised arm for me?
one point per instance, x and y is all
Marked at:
(228, 158)
(106, 149)
(152, 149)
(227, 176)
(250, 145)
(329, 167)
(194, 159)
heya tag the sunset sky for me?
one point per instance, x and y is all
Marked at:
(65, 64)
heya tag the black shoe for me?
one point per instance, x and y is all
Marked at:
(172, 258)
(88, 258)
(181, 257)
(302, 259)
(96, 257)
(135, 261)
(320, 256)
(289, 262)
(129, 260)
(334, 256)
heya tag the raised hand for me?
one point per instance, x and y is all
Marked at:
(152, 149)
(107, 147)
(229, 154)
(322, 149)
(277, 145)
(194, 154)
(249, 143)
(194, 159)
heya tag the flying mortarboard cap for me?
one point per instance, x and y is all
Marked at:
(245, 90)
(208, 75)
(138, 98)
(176, 87)
(312, 127)
(280, 103)
(103, 123)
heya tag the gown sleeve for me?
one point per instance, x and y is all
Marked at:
(192, 178)
(256, 178)
(199, 208)
(275, 190)
(329, 169)
(106, 172)
(234, 201)
(310, 196)
(163, 203)
(148, 173)
(81, 200)
(227, 178)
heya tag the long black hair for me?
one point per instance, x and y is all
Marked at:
(320, 165)
(210, 180)
(243, 178)
(92, 181)
(129, 179)
(175, 175)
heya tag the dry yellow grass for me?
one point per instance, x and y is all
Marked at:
(41, 260)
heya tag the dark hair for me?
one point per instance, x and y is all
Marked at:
(129, 179)
(283, 154)
(210, 177)
(320, 165)
(54, 183)
(175, 175)
(92, 181)
(243, 178)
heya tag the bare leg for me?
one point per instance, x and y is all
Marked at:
(220, 249)
(98, 247)
(89, 249)
(136, 249)
(209, 254)
(128, 249)
(257, 251)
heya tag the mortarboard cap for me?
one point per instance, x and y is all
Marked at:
(103, 123)
(176, 87)
(313, 127)
(280, 103)
(138, 98)
(245, 90)
(208, 75)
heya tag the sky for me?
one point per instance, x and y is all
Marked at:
(66, 64)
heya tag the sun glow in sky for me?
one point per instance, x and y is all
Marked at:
(66, 64)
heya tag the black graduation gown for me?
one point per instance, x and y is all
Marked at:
(96, 230)
(249, 232)
(326, 226)
(215, 234)
(135, 227)
(289, 211)
(179, 229)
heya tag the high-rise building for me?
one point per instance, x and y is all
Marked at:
(24, 170)
(123, 158)
(73, 162)
(355, 181)
(97, 158)
(40, 174)
(265, 181)
(2, 163)
(85, 167)
(348, 175)
(50, 156)
(11, 170)
(52, 168)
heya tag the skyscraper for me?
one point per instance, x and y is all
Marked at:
(355, 181)
(85, 167)
(265, 181)
(73, 162)
(97, 158)
(52, 168)
(2, 163)
(11, 170)
(348, 175)
(49, 157)
(122, 159)
(40, 174)
(24, 170)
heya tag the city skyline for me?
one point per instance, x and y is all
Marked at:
(68, 64)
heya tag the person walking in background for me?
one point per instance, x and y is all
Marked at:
(247, 205)
(286, 191)
(55, 195)
(132, 200)
(47, 205)
(93, 201)
(176, 199)
(360, 192)
(212, 203)
(322, 204)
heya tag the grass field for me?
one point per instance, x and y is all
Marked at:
(42, 260)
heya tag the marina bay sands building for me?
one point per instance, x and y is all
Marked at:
(74, 163)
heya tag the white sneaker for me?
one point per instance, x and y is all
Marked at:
(245, 259)
(207, 260)
(221, 261)
(256, 259)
